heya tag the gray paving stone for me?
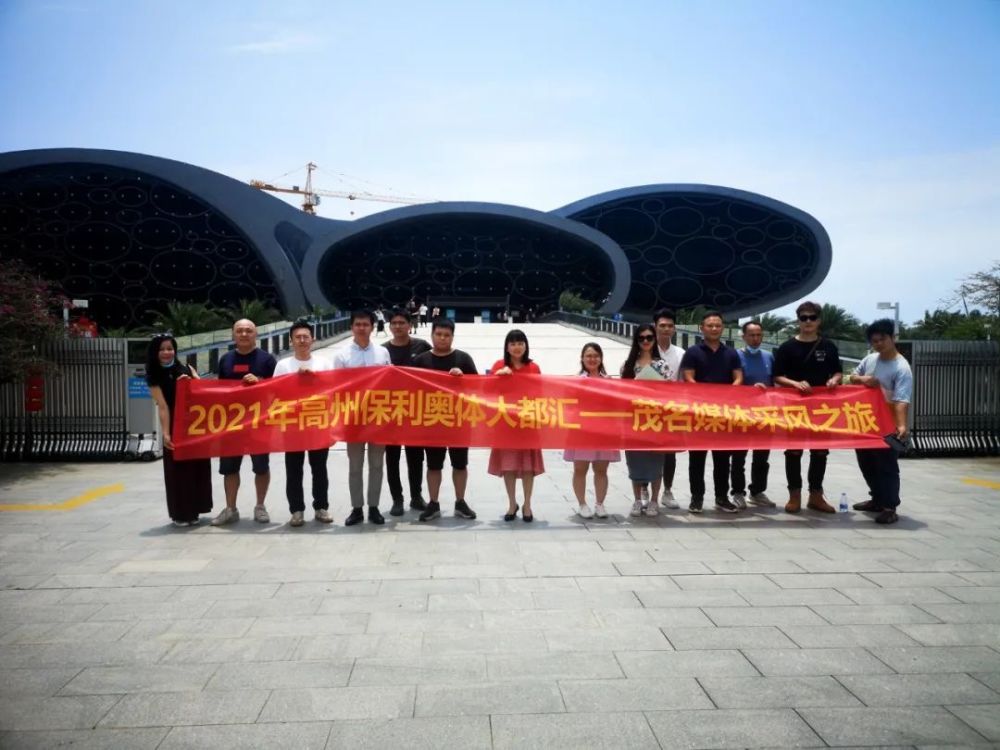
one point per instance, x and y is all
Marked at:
(419, 670)
(472, 732)
(525, 641)
(479, 602)
(728, 728)
(743, 567)
(990, 679)
(940, 659)
(331, 704)
(909, 580)
(874, 614)
(147, 678)
(954, 635)
(598, 696)
(85, 739)
(984, 719)
(855, 727)
(517, 697)
(58, 632)
(61, 613)
(985, 613)
(747, 616)
(815, 661)
(659, 617)
(271, 675)
(695, 598)
(659, 664)
(607, 639)
(185, 709)
(845, 636)
(176, 630)
(541, 619)
(973, 594)
(578, 731)
(15, 683)
(821, 581)
(918, 689)
(916, 595)
(637, 584)
(269, 608)
(735, 582)
(431, 622)
(525, 665)
(688, 639)
(216, 593)
(777, 692)
(80, 654)
(36, 712)
(794, 597)
(304, 735)
(200, 651)
(307, 589)
(335, 647)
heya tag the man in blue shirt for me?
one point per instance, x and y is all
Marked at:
(758, 369)
(886, 369)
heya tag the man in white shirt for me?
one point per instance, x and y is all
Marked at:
(665, 322)
(305, 363)
(361, 352)
(423, 314)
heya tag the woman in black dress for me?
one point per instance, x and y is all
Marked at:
(188, 483)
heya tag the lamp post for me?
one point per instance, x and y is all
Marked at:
(894, 306)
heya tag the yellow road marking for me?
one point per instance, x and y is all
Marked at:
(73, 502)
(981, 483)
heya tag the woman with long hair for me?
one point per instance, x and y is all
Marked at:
(188, 484)
(512, 463)
(591, 366)
(644, 467)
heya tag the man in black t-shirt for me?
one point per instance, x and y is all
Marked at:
(247, 363)
(402, 349)
(806, 362)
(445, 359)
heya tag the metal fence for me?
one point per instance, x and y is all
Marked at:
(85, 406)
(956, 397)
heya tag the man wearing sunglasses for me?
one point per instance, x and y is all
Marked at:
(805, 362)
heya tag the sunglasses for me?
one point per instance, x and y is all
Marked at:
(647, 338)
(808, 318)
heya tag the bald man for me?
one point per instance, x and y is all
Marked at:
(249, 364)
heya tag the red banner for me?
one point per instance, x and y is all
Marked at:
(405, 406)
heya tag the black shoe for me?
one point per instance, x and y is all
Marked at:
(696, 503)
(433, 511)
(397, 508)
(375, 516)
(868, 506)
(418, 504)
(886, 517)
(723, 505)
(512, 516)
(357, 516)
(527, 517)
(462, 509)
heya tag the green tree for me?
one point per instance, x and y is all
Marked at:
(981, 289)
(837, 323)
(185, 318)
(28, 316)
(956, 326)
(254, 309)
(570, 301)
(773, 323)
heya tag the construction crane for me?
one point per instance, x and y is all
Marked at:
(310, 197)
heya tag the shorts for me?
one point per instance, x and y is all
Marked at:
(261, 463)
(459, 458)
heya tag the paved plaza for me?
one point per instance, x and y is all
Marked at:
(757, 630)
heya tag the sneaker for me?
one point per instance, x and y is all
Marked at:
(418, 504)
(644, 495)
(740, 500)
(667, 500)
(432, 511)
(723, 505)
(599, 511)
(696, 503)
(397, 508)
(297, 519)
(868, 506)
(761, 499)
(357, 516)
(260, 514)
(195, 522)
(228, 515)
(181, 524)
(584, 511)
(323, 516)
(636, 509)
(887, 516)
(463, 510)
(653, 509)
(375, 516)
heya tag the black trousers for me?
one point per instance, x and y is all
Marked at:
(720, 472)
(669, 468)
(759, 467)
(414, 471)
(880, 468)
(817, 469)
(294, 463)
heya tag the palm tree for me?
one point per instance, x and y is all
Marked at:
(773, 323)
(185, 318)
(837, 323)
(256, 310)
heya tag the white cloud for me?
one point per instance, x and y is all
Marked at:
(276, 45)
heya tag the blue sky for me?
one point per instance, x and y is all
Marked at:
(882, 119)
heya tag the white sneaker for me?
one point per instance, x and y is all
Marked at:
(585, 511)
(740, 500)
(644, 495)
(228, 515)
(323, 516)
(260, 514)
(636, 509)
(667, 500)
(599, 511)
(297, 519)
(653, 509)
(762, 500)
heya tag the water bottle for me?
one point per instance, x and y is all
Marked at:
(843, 502)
